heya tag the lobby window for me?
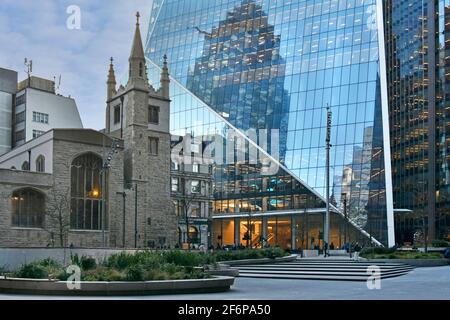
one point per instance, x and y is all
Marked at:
(195, 186)
(86, 193)
(40, 117)
(153, 144)
(28, 208)
(175, 185)
(153, 115)
(116, 114)
(40, 164)
(37, 133)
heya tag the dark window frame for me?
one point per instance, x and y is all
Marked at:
(153, 114)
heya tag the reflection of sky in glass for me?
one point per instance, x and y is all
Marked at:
(329, 54)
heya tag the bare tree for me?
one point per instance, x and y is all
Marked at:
(58, 215)
(187, 200)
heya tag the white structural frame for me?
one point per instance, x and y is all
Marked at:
(386, 128)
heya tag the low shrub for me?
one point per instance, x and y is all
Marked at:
(32, 271)
(135, 273)
(440, 243)
(87, 263)
(377, 250)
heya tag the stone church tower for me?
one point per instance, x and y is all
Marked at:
(140, 115)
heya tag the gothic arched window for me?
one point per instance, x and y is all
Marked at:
(141, 69)
(25, 166)
(28, 208)
(86, 193)
(40, 164)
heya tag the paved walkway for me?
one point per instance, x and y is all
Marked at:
(423, 283)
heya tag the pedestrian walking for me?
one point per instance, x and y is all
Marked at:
(325, 250)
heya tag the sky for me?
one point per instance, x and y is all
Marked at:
(38, 30)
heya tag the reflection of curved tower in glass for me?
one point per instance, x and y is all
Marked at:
(263, 64)
(241, 74)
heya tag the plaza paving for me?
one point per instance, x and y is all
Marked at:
(422, 283)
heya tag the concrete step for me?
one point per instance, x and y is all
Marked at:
(318, 277)
(322, 269)
(354, 271)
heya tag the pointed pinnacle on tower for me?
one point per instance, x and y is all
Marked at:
(165, 80)
(137, 57)
(111, 83)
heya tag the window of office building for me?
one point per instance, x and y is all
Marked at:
(196, 168)
(40, 117)
(177, 207)
(20, 99)
(37, 133)
(28, 208)
(87, 193)
(20, 135)
(195, 186)
(195, 210)
(175, 166)
(175, 185)
(20, 117)
(153, 115)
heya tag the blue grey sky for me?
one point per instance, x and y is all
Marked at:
(38, 30)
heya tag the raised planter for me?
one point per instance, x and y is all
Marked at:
(117, 288)
(290, 258)
(418, 263)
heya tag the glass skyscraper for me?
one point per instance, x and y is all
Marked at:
(417, 40)
(256, 77)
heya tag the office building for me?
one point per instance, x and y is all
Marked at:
(8, 85)
(260, 74)
(38, 109)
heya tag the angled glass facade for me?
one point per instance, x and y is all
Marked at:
(266, 71)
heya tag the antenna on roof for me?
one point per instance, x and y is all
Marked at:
(29, 65)
(57, 84)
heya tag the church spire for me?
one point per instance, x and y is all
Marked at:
(137, 57)
(111, 83)
(165, 80)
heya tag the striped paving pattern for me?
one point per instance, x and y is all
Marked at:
(322, 269)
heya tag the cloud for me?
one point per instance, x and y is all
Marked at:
(81, 57)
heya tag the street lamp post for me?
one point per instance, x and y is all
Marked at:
(326, 235)
(105, 166)
(135, 215)
(344, 197)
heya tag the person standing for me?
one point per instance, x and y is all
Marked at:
(357, 250)
(325, 250)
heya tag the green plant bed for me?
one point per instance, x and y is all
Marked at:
(401, 255)
(142, 266)
(249, 254)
